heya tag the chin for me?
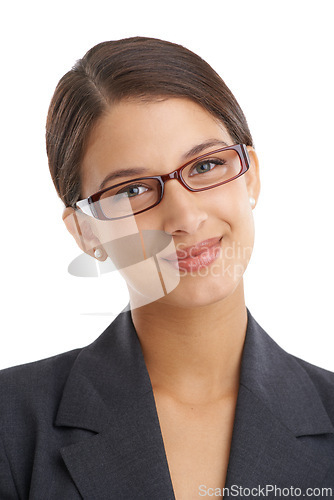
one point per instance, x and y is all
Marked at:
(202, 288)
(193, 295)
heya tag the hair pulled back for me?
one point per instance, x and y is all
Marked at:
(137, 67)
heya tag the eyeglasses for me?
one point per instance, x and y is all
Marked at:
(143, 193)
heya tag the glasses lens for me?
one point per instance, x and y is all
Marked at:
(130, 198)
(213, 169)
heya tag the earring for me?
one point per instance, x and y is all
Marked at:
(252, 201)
(97, 253)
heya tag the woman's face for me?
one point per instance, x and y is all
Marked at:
(156, 137)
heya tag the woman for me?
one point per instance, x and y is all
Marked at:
(184, 394)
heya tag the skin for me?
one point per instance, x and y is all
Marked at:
(192, 338)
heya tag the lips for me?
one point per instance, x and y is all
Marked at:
(193, 251)
(197, 257)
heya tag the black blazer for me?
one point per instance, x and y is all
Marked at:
(84, 424)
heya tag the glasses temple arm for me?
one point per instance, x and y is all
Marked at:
(85, 206)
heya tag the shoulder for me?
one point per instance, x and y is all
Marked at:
(50, 368)
(321, 376)
(263, 353)
(30, 395)
(296, 390)
(34, 387)
(322, 380)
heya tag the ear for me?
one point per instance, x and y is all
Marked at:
(79, 226)
(253, 175)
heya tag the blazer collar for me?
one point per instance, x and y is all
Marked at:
(278, 380)
(278, 417)
(108, 376)
(109, 392)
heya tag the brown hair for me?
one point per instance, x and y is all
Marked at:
(137, 67)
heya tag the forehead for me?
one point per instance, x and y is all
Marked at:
(153, 135)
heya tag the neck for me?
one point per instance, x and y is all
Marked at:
(194, 354)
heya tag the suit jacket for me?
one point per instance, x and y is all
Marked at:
(84, 424)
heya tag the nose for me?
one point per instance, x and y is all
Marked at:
(181, 210)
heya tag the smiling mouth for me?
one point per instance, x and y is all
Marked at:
(194, 257)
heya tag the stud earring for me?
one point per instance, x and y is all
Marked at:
(97, 253)
(252, 201)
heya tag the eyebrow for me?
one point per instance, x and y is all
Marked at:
(128, 172)
(193, 152)
(197, 150)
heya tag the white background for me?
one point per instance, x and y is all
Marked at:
(277, 58)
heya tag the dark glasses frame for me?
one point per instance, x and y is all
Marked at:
(90, 205)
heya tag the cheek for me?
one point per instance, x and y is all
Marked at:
(121, 241)
(112, 230)
(230, 204)
(231, 207)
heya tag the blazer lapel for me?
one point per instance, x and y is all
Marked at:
(278, 421)
(109, 392)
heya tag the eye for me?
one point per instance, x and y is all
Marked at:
(131, 191)
(205, 166)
